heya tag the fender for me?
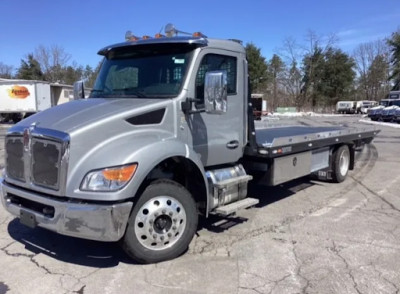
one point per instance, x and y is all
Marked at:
(169, 148)
(147, 147)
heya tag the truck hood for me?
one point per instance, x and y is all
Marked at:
(378, 107)
(391, 107)
(74, 115)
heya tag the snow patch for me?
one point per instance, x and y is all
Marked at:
(299, 114)
(380, 123)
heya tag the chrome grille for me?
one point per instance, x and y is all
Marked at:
(37, 158)
(46, 157)
(15, 158)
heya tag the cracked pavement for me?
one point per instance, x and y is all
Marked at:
(305, 236)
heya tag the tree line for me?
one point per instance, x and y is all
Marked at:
(50, 64)
(310, 77)
(318, 75)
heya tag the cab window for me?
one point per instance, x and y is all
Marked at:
(211, 62)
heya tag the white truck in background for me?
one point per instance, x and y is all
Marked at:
(363, 106)
(347, 107)
(20, 98)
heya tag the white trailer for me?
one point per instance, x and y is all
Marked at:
(21, 97)
(346, 107)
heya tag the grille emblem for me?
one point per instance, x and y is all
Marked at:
(28, 135)
(27, 139)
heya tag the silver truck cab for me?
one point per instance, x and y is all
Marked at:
(132, 130)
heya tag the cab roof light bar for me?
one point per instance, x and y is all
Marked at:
(170, 31)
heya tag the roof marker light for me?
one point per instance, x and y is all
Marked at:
(146, 37)
(199, 35)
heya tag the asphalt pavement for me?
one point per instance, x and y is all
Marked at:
(305, 236)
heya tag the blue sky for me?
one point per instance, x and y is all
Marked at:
(82, 27)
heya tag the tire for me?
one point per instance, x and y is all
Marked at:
(16, 117)
(340, 164)
(162, 223)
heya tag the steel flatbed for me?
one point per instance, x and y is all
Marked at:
(277, 141)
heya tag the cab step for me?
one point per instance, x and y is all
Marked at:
(235, 206)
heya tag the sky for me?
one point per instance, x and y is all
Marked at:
(82, 27)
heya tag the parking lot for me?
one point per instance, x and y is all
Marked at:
(305, 236)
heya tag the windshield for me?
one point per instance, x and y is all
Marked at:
(387, 103)
(146, 71)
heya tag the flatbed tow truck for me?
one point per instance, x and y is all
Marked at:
(166, 134)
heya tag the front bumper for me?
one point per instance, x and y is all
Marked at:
(83, 220)
(388, 117)
(374, 116)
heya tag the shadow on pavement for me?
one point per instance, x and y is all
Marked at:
(67, 249)
(270, 194)
(109, 254)
(265, 194)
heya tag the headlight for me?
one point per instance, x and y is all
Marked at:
(108, 179)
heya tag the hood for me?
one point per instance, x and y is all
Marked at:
(391, 107)
(378, 107)
(74, 115)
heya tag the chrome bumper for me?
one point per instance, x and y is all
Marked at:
(82, 220)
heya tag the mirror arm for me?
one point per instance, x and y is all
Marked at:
(187, 106)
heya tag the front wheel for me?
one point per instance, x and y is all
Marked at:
(162, 223)
(341, 163)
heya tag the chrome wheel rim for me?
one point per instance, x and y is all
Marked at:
(160, 223)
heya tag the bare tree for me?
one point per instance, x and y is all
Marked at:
(319, 41)
(291, 53)
(6, 71)
(372, 64)
(52, 60)
(300, 89)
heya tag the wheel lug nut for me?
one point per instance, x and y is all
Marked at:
(151, 230)
(162, 238)
(156, 214)
(174, 220)
(151, 222)
(169, 235)
(164, 211)
(174, 228)
(155, 236)
(170, 214)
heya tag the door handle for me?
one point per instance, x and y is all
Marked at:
(232, 144)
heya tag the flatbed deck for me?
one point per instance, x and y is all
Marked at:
(277, 141)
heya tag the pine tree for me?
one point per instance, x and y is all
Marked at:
(30, 69)
(257, 67)
(394, 43)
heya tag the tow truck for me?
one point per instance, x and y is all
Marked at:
(166, 135)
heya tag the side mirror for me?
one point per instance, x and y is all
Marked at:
(79, 90)
(215, 92)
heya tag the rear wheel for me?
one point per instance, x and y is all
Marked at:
(341, 163)
(162, 223)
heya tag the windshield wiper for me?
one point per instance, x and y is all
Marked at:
(94, 93)
(129, 92)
